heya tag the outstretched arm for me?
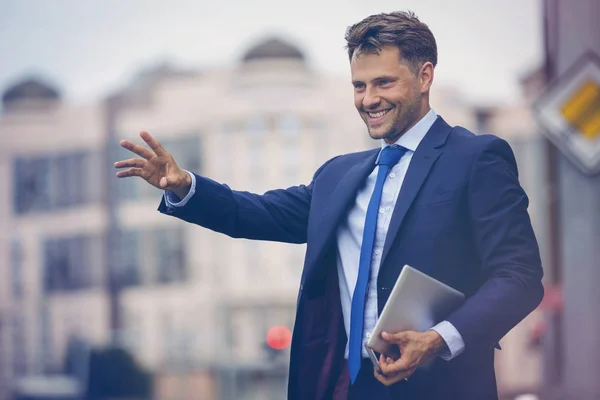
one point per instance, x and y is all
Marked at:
(278, 215)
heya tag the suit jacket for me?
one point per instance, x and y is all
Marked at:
(461, 217)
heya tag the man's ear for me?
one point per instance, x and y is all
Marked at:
(426, 77)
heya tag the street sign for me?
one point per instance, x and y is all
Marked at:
(570, 112)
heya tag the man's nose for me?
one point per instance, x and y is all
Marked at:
(371, 99)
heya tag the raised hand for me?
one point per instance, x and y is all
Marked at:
(157, 166)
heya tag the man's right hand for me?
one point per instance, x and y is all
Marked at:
(157, 166)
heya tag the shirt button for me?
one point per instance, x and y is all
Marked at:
(382, 210)
(378, 252)
(392, 175)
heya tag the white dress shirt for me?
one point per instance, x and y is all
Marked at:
(350, 233)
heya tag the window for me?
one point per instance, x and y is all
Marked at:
(16, 264)
(186, 151)
(73, 172)
(45, 340)
(57, 181)
(289, 125)
(66, 180)
(256, 126)
(31, 184)
(71, 263)
(177, 343)
(170, 256)
(151, 257)
(127, 265)
(133, 330)
(19, 348)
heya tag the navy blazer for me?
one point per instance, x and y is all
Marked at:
(461, 217)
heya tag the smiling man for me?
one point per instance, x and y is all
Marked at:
(433, 196)
(388, 93)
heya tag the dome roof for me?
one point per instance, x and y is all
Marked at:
(273, 49)
(30, 89)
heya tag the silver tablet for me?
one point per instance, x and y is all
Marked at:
(417, 303)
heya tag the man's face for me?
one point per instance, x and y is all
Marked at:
(387, 94)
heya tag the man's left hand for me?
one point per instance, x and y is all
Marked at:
(416, 348)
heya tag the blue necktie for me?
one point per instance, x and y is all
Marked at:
(388, 157)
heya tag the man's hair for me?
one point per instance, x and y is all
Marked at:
(401, 29)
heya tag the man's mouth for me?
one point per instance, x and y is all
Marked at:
(377, 114)
(376, 118)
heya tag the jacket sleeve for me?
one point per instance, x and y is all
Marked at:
(278, 215)
(507, 247)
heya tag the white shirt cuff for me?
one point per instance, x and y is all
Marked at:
(454, 341)
(173, 201)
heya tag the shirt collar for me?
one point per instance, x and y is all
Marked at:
(411, 139)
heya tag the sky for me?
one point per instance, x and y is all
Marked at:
(89, 48)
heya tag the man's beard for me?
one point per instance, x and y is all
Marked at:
(406, 118)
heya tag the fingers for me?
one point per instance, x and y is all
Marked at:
(137, 149)
(400, 366)
(132, 162)
(130, 172)
(153, 143)
(389, 380)
(383, 360)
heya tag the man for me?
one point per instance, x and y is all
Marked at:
(433, 196)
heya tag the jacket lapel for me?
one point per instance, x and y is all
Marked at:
(423, 159)
(340, 199)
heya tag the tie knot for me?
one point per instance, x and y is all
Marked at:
(390, 155)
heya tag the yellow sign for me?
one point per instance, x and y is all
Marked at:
(569, 110)
(582, 109)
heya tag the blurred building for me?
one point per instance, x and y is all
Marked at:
(194, 306)
(52, 227)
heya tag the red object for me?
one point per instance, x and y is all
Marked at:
(279, 337)
(538, 330)
(553, 298)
